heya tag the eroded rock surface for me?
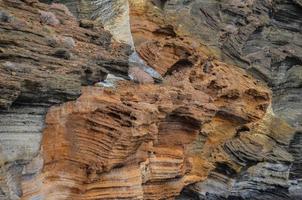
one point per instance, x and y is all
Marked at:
(206, 132)
(149, 141)
(262, 36)
(43, 63)
(158, 30)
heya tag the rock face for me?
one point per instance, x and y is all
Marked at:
(157, 30)
(149, 141)
(114, 15)
(39, 67)
(262, 36)
(41, 64)
(208, 131)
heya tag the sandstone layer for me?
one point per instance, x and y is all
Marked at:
(149, 141)
(262, 36)
(157, 28)
(42, 64)
(208, 131)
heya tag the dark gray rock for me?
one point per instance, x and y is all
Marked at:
(265, 38)
(262, 36)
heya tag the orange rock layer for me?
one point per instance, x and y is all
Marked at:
(145, 141)
(148, 141)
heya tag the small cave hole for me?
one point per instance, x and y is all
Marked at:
(179, 66)
(224, 168)
(166, 31)
(241, 129)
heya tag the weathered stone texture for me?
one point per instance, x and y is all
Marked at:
(148, 141)
(41, 64)
(207, 131)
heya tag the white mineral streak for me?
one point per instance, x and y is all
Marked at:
(109, 81)
(114, 15)
(135, 58)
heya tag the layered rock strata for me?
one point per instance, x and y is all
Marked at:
(262, 36)
(149, 141)
(206, 132)
(157, 31)
(45, 59)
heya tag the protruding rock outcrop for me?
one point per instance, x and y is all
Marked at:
(164, 39)
(206, 132)
(262, 36)
(45, 59)
(149, 141)
(40, 65)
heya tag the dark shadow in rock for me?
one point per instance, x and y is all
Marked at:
(179, 66)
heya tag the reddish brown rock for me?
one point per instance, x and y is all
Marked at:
(35, 66)
(206, 126)
(251, 164)
(139, 76)
(43, 61)
(144, 141)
